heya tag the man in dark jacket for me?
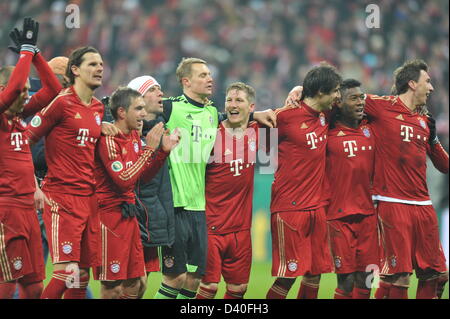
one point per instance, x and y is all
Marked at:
(156, 218)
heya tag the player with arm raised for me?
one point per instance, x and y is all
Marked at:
(352, 223)
(71, 125)
(404, 138)
(21, 254)
(298, 221)
(120, 162)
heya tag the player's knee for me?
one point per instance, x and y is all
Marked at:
(111, 289)
(133, 283)
(142, 287)
(285, 282)
(401, 279)
(312, 280)
(240, 289)
(174, 280)
(346, 282)
(210, 285)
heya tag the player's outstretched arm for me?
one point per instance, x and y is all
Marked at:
(50, 87)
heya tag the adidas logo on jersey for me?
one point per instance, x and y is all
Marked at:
(77, 116)
(189, 117)
(400, 117)
(304, 126)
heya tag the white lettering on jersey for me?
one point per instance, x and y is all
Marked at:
(17, 141)
(129, 164)
(349, 147)
(312, 139)
(407, 132)
(236, 166)
(83, 136)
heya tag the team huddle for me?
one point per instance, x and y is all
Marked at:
(137, 183)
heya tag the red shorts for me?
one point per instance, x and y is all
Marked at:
(72, 227)
(122, 254)
(410, 236)
(300, 243)
(151, 259)
(229, 255)
(21, 255)
(354, 243)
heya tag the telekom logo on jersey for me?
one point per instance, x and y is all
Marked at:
(407, 132)
(17, 141)
(83, 137)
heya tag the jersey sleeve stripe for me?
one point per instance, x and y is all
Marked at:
(111, 146)
(133, 170)
(45, 109)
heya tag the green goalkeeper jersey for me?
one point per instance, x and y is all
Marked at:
(197, 124)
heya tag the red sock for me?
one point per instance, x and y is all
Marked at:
(277, 291)
(57, 285)
(7, 290)
(308, 291)
(398, 292)
(341, 294)
(31, 290)
(359, 293)
(78, 292)
(205, 293)
(230, 294)
(427, 289)
(383, 291)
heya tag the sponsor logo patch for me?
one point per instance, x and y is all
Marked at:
(36, 121)
(117, 166)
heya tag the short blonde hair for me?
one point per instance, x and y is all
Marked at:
(250, 91)
(184, 68)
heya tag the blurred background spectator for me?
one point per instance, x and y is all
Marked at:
(268, 44)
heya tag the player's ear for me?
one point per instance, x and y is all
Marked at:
(185, 82)
(74, 70)
(121, 113)
(412, 84)
(252, 107)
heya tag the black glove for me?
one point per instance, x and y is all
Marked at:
(27, 38)
(433, 139)
(128, 210)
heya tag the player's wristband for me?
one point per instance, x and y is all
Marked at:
(28, 48)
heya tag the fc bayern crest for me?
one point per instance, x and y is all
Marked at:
(252, 146)
(322, 120)
(366, 132)
(98, 120)
(17, 263)
(338, 262)
(67, 248)
(422, 123)
(136, 147)
(292, 265)
(393, 261)
(115, 268)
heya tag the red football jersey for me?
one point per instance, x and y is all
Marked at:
(72, 130)
(120, 162)
(300, 176)
(349, 170)
(17, 182)
(229, 181)
(17, 171)
(402, 145)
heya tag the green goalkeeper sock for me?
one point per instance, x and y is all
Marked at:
(186, 294)
(166, 292)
